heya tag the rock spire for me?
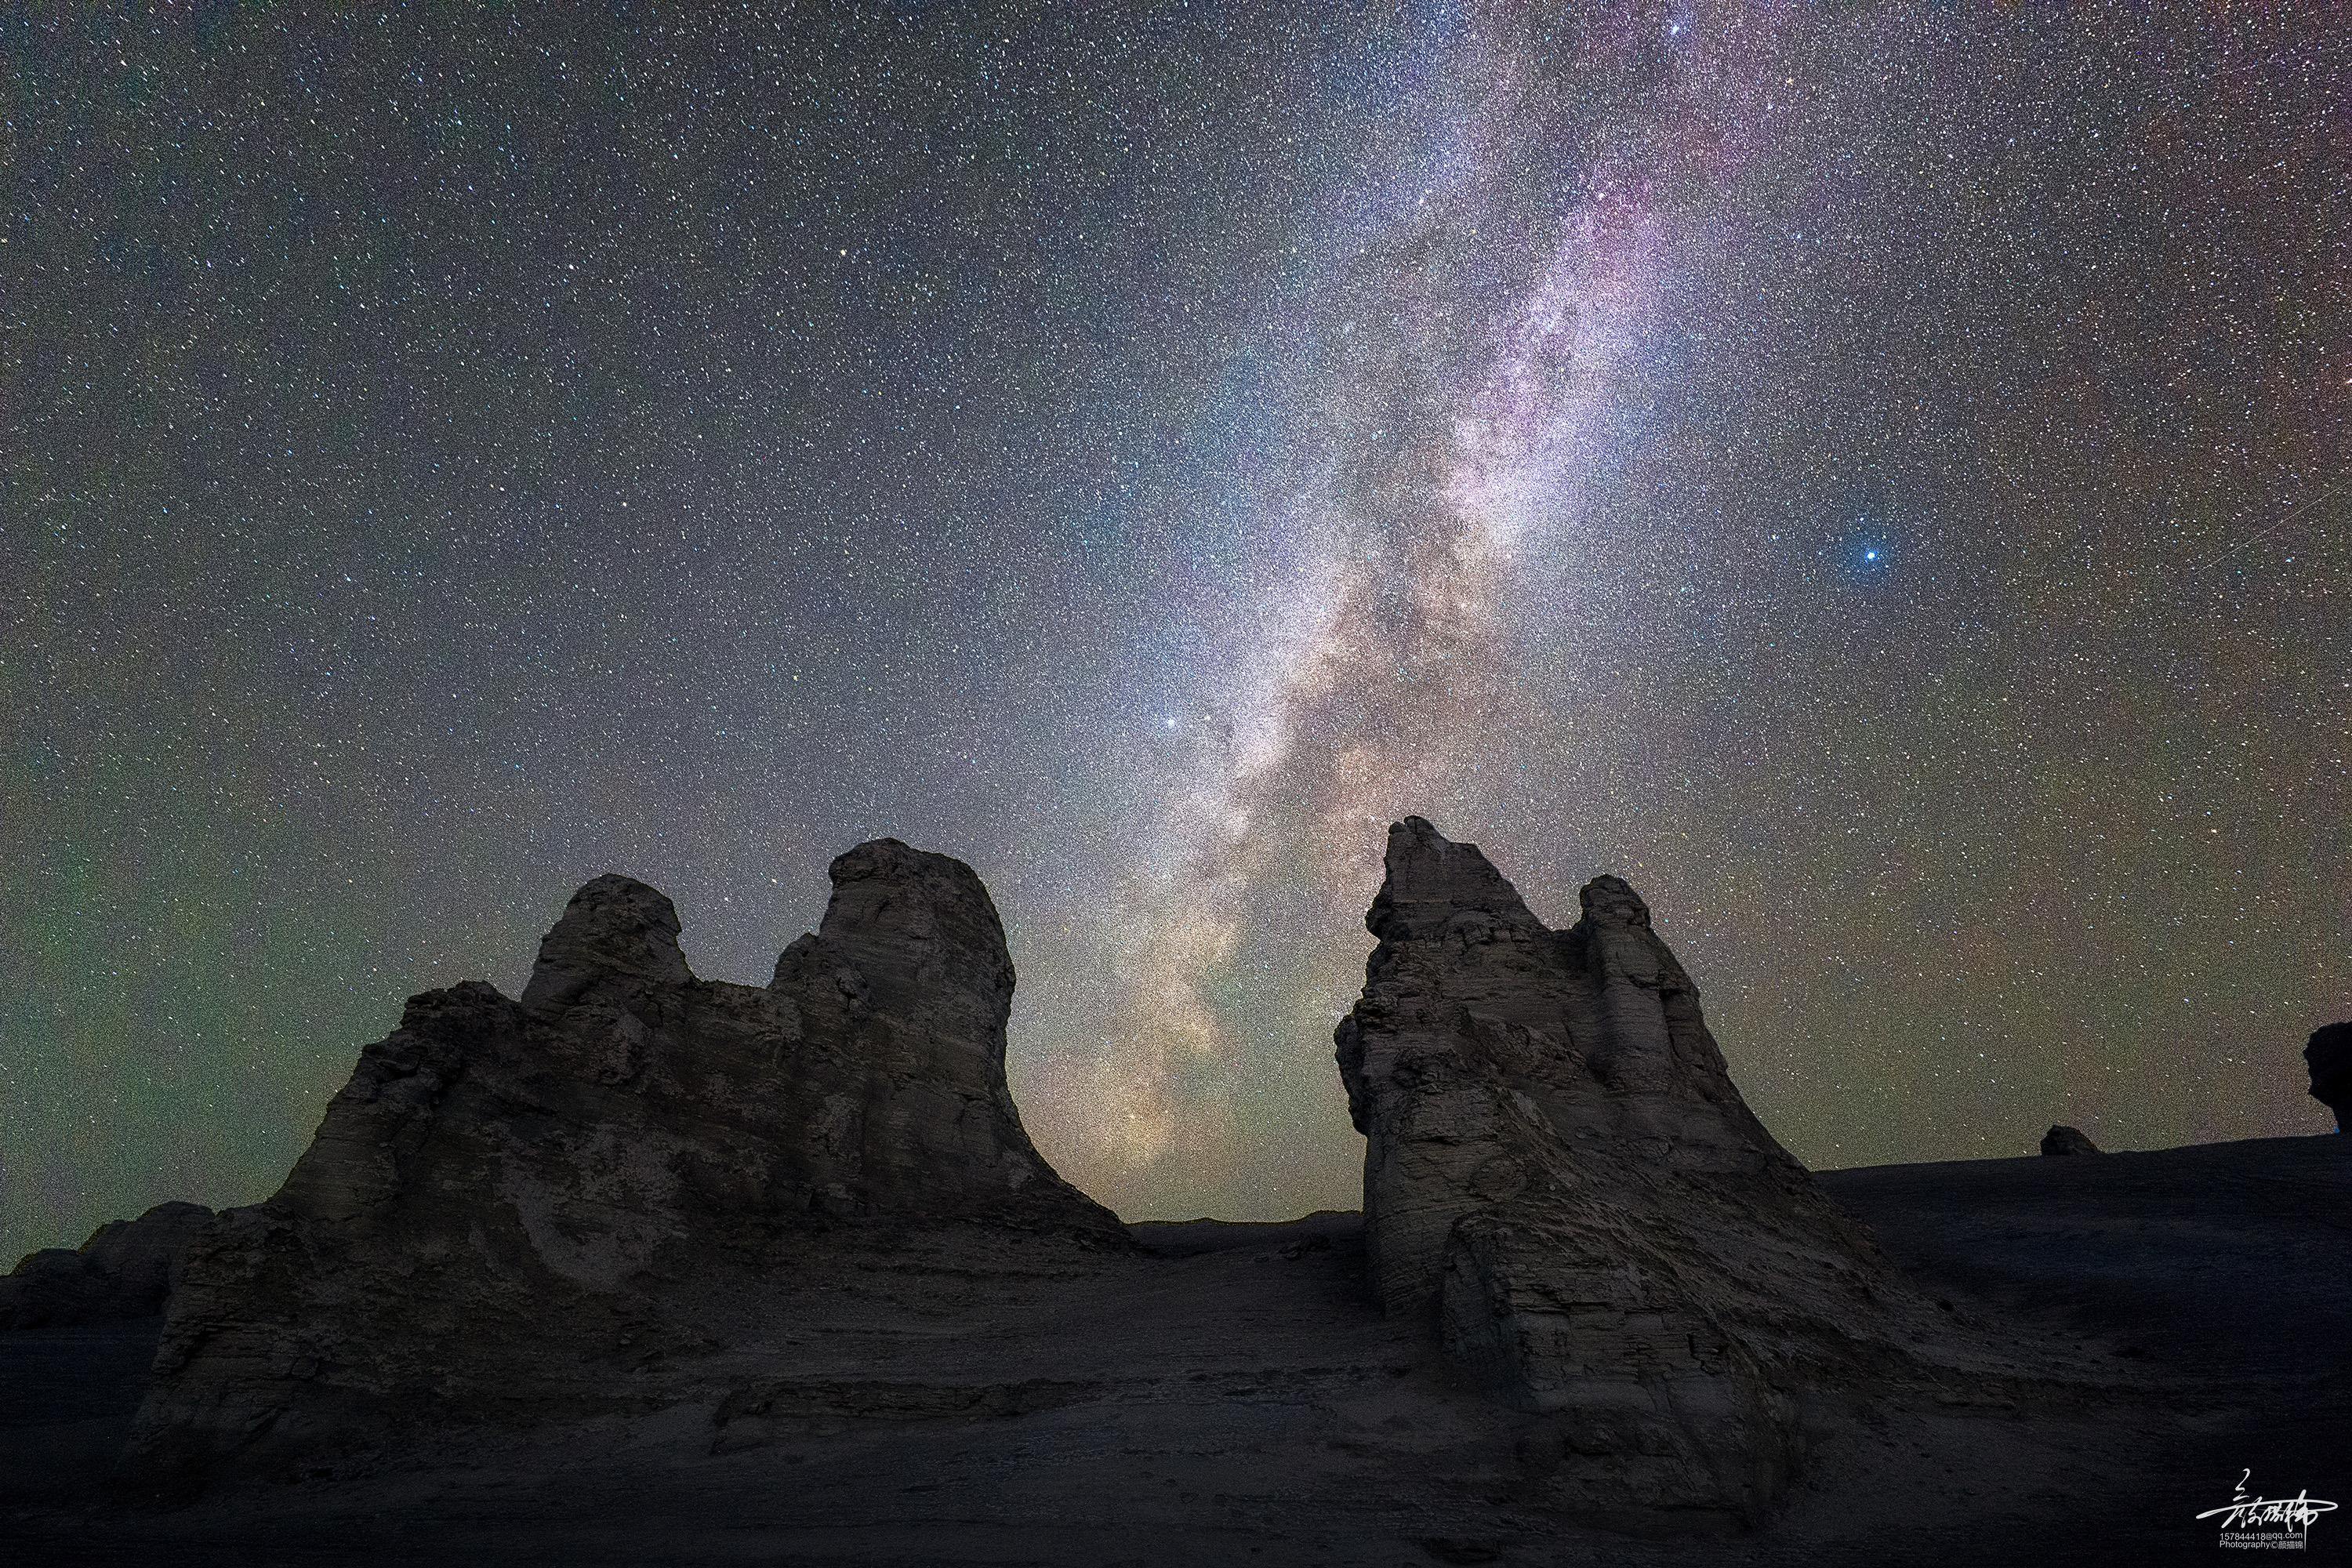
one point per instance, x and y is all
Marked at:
(1561, 1180)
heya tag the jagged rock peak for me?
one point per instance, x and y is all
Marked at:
(1434, 884)
(903, 918)
(1612, 900)
(884, 886)
(615, 929)
(1560, 1180)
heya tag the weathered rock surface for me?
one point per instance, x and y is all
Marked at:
(2064, 1140)
(517, 1211)
(1560, 1178)
(125, 1269)
(1228, 1395)
(2329, 1055)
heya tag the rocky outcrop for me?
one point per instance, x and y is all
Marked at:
(2329, 1055)
(522, 1209)
(1562, 1181)
(2064, 1140)
(126, 1269)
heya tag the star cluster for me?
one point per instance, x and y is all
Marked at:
(1873, 478)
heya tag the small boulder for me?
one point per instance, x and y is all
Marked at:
(2064, 1140)
(2329, 1057)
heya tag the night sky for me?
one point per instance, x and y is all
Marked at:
(1873, 478)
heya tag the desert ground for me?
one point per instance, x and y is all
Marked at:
(1229, 1395)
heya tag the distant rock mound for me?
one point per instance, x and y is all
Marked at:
(2064, 1140)
(1561, 1176)
(2329, 1055)
(126, 1269)
(520, 1210)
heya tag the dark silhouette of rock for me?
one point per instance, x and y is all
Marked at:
(2064, 1140)
(126, 1269)
(1560, 1177)
(2329, 1055)
(521, 1210)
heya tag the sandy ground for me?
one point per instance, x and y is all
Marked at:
(1229, 1396)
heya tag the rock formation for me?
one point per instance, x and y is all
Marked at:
(125, 1269)
(2329, 1055)
(2064, 1140)
(519, 1210)
(1560, 1177)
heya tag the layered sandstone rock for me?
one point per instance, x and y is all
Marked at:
(1560, 1178)
(518, 1210)
(126, 1269)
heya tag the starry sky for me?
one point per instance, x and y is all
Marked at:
(1874, 476)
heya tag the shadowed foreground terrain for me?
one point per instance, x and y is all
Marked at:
(1232, 1393)
(642, 1268)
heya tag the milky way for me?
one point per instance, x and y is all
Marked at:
(1875, 481)
(1473, 323)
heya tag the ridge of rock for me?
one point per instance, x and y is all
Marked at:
(1561, 1180)
(127, 1268)
(523, 1210)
